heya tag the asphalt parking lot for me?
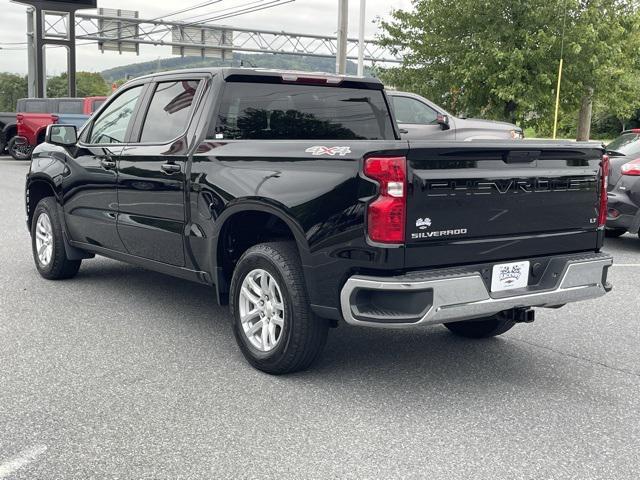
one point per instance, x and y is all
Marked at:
(125, 373)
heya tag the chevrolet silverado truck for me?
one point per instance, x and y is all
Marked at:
(294, 198)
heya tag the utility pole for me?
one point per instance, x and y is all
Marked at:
(363, 7)
(555, 117)
(343, 24)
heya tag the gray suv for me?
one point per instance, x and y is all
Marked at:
(419, 118)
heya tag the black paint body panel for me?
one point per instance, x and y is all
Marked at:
(173, 222)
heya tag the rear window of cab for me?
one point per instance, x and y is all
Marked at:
(301, 112)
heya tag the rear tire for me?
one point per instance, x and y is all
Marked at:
(20, 151)
(484, 328)
(614, 232)
(272, 321)
(47, 243)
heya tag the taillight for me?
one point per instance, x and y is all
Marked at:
(631, 168)
(386, 214)
(604, 182)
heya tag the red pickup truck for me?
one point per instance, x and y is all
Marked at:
(31, 126)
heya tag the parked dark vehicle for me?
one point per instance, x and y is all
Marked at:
(419, 119)
(292, 195)
(8, 129)
(624, 184)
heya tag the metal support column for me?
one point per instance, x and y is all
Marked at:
(31, 54)
(363, 7)
(343, 26)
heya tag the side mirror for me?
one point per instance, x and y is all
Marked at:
(63, 135)
(443, 121)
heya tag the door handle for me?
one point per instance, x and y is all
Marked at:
(170, 168)
(107, 164)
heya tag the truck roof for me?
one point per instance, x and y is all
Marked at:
(240, 73)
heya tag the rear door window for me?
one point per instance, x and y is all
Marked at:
(35, 106)
(168, 113)
(70, 106)
(301, 112)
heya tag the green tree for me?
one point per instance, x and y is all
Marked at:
(12, 87)
(88, 84)
(499, 58)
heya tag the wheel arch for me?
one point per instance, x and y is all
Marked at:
(9, 131)
(37, 189)
(41, 135)
(247, 223)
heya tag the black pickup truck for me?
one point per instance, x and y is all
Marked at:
(293, 196)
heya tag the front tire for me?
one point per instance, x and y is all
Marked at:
(272, 321)
(484, 328)
(47, 243)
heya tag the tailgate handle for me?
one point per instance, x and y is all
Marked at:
(522, 156)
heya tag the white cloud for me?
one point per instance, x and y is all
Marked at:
(302, 16)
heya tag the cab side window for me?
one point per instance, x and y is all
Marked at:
(168, 114)
(112, 124)
(409, 110)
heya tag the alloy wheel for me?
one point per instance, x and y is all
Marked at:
(261, 310)
(44, 239)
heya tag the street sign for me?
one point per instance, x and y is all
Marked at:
(115, 28)
(206, 41)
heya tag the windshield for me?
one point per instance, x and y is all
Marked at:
(627, 144)
(301, 112)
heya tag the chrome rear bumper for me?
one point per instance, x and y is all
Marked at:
(440, 296)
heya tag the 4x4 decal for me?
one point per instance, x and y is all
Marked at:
(331, 151)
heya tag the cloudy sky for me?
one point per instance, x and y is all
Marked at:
(306, 16)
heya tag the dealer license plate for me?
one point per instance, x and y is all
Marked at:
(508, 276)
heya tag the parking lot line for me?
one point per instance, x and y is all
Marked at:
(626, 265)
(22, 459)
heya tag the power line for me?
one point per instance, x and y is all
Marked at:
(245, 10)
(248, 7)
(193, 17)
(160, 17)
(171, 14)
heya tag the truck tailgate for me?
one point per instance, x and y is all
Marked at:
(484, 201)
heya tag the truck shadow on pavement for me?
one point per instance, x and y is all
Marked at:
(627, 243)
(420, 358)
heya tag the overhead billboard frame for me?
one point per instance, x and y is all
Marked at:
(45, 33)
